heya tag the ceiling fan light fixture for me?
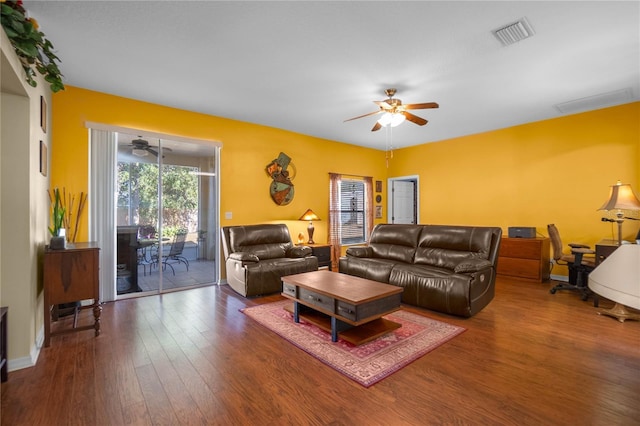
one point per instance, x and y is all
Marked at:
(391, 119)
(139, 152)
(385, 120)
(397, 119)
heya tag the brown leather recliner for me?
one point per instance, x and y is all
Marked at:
(257, 256)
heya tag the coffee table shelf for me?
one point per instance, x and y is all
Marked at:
(346, 306)
(357, 335)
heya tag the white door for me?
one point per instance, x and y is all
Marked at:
(403, 201)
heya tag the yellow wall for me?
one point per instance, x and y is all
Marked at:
(247, 149)
(553, 171)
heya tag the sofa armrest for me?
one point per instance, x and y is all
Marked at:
(244, 257)
(299, 251)
(360, 251)
(472, 265)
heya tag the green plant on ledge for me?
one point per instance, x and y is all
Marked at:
(30, 44)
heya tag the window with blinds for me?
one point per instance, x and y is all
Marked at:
(352, 211)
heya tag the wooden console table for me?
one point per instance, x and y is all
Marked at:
(71, 275)
(525, 258)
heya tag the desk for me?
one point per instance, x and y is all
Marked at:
(71, 275)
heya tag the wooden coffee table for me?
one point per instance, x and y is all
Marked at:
(349, 307)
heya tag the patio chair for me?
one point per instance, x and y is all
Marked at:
(175, 252)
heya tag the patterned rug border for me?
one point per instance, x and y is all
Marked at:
(366, 364)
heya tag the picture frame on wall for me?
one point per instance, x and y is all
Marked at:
(378, 186)
(43, 158)
(378, 212)
(43, 114)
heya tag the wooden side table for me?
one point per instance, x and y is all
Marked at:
(604, 248)
(323, 253)
(71, 275)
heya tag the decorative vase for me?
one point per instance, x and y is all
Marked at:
(58, 243)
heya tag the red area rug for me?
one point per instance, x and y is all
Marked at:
(369, 363)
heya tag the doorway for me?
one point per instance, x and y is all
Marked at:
(403, 199)
(165, 220)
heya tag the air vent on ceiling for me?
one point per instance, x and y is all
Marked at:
(603, 100)
(514, 32)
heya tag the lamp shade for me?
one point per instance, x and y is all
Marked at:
(309, 215)
(618, 279)
(621, 197)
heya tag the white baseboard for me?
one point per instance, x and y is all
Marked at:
(563, 278)
(28, 361)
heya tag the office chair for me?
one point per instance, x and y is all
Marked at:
(175, 252)
(578, 263)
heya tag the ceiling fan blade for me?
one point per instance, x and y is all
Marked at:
(153, 151)
(422, 106)
(415, 119)
(384, 104)
(365, 115)
(376, 126)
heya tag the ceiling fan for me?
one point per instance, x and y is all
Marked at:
(394, 112)
(142, 147)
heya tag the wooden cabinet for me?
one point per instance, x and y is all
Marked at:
(323, 253)
(524, 258)
(71, 275)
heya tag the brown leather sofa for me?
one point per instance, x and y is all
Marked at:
(450, 269)
(257, 256)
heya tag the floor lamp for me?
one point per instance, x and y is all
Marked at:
(621, 197)
(618, 279)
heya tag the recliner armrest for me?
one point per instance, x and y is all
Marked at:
(299, 251)
(472, 265)
(360, 251)
(244, 257)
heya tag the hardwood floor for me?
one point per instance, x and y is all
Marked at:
(529, 358)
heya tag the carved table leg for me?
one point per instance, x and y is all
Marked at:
(97, 310)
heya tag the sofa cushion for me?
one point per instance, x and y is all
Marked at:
(263, 241)
(472, 265)
(447, 246)
(433, 288)
(395, 242)
(244, 257)
(367, 267)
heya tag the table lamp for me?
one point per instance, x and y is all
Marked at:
(310, 216)
(618, 279)
(621, 197)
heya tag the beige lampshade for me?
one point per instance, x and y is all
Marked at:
(309, 215)
(618, 277)
(621, 197)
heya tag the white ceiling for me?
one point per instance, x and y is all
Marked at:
(307, 66)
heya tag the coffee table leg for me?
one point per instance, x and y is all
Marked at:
(296, 312)
(334, 329)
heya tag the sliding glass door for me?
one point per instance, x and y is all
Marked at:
(166, 221)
